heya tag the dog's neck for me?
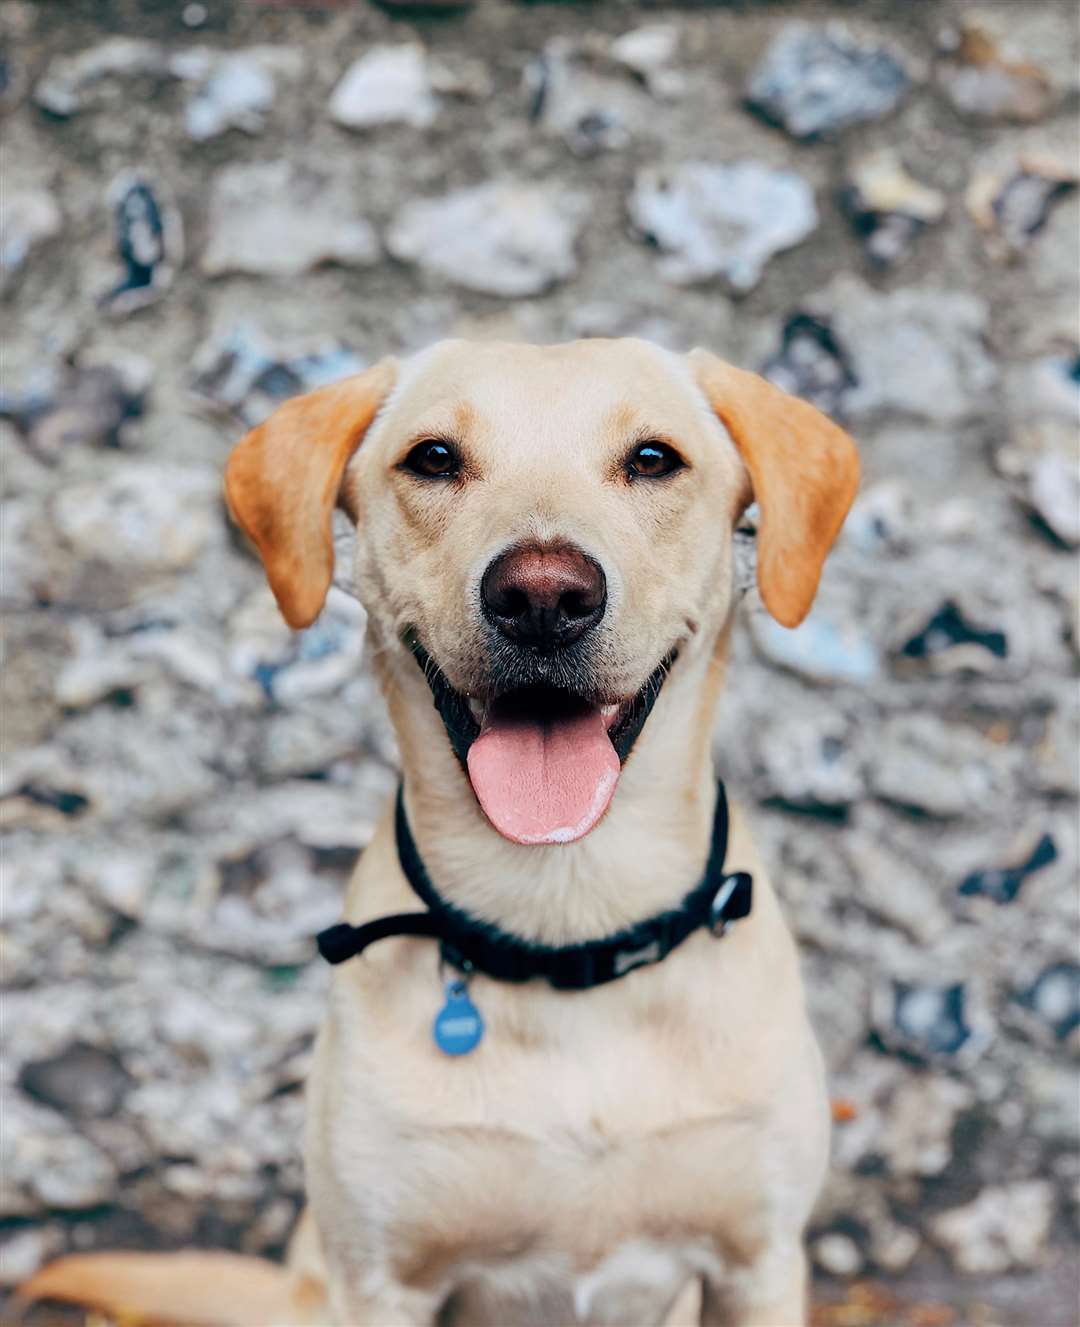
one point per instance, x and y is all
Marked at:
(646, 853)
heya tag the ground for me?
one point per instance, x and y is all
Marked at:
(185, 784)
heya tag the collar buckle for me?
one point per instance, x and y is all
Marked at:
(731, 903)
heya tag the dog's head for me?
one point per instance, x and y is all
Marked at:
(543, 531)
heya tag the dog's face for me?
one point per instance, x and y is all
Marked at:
(544, 530)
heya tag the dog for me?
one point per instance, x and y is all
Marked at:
(531, 1103)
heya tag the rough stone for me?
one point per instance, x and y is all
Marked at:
(233, 89)
(590, 111)
(916, 350)
(63, 87)
(818, 649)
(984, 84)
(721, 220)
(1005, 1227)
(887, 207)
(1011, 201)
(273, 219)
(1054, 495)
(149, 241)
(935, 768)
(501, 238)
(388, 85)
(29, 218)
(157, 517)
(818, 81)
(650, 52)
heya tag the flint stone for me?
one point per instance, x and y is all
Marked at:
(28, 218)
(812, 363)
(938, 769)
(721, 220)
(650, 52)
(817, 649)
(272, 219)
(82, 1080)
(45, 1164)
(88, 404)
(1004, 1228)
(62, 88)
(1012, 202)
(234, 90)
(1054, 495)
(930, 1023)
(837, 1254)
(25, 1251)
(243, 373)
(590, 112)
(149, 242)
(887, 207)
(388, 85)
(916, 1135)
(917, 350)
(817, 81)
(158, 517)
(501, 238)
(810, 764)
(983, 84)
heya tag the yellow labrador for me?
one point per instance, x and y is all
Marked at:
(561, 1095)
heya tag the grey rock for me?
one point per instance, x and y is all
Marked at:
(818, 649)
(985, 84)
(887, 207)
(837, 1254)
(591, 112)
(951, 640)
(25, 1250)
(273, 219)
(931, 1023)
(918, 1124)
(721, 220)
(233, 89)
(29, 218)
(915, 350)
(1054, 998)
(46, 1164)
(1005, 1227)
(1054, 495)
(245, 374)
(817, 81)
(937, 769)
(82, 1080)
(650, 52)
(157, 517)
(502, 238)
(149, 241)
(810, 764)
(85, 404)
(1011, 199)
(387, 85)
(67, 79)
(811, 362)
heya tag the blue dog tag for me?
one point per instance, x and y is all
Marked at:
(458, 1027)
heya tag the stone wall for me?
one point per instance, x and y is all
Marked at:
(209, 206)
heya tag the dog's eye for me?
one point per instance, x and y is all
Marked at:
(433, 460)
(653, 460)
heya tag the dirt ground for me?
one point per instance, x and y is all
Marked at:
(184, 784)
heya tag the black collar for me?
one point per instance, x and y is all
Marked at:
(469, 944)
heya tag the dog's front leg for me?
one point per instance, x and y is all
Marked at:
(772, 1293)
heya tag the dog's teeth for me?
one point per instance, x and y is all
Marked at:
(476, 708)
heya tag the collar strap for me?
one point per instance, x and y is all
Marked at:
(468, 943)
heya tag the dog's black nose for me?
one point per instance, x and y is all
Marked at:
(544, 596)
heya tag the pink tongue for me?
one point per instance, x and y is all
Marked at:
(543, 782)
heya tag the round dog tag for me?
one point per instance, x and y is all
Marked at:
(458, 1027)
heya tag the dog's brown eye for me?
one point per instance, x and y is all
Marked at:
(653, 460)
(433, 460)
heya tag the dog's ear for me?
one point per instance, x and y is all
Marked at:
(283, 481)
(804, 471)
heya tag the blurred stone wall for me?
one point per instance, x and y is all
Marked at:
(209, 206)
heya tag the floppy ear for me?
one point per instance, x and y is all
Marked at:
(804, 472)
(283, 481)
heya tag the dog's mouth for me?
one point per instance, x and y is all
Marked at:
(543, 760)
